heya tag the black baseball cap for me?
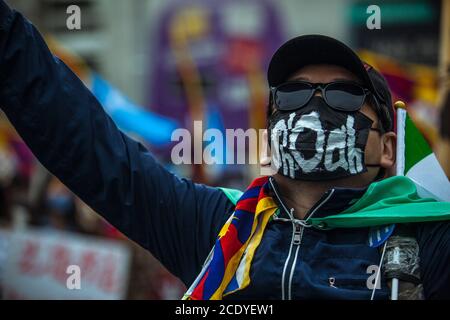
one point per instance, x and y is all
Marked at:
(318, 49)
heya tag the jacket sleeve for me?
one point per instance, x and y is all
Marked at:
(434, 255)
(71, 135)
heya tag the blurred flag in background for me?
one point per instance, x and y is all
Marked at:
(129, 117)
(133, 119)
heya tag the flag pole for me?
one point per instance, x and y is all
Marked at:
(400, 107)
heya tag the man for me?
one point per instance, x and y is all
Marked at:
(330, 127)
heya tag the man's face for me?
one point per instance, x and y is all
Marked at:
(376, 149)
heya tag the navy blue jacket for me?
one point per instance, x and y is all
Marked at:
(176, 219)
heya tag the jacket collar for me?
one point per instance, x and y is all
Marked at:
(332, 202)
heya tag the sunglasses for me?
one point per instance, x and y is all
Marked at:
(339, 95)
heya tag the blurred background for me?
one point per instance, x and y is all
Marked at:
(158, 65)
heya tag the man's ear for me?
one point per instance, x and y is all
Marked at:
(265, 156)
(388, 151)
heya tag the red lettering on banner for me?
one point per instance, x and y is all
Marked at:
(98, 269)
(28, 258)
(106, 281)
(88, 265)
(60, 256)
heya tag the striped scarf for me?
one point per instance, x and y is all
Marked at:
(226, 269)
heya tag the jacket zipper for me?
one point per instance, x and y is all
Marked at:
(297, 236)
(296, 241)
(283, 276)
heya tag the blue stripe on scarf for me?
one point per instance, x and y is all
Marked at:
(251, 193)
(233, 285)
(243, 222)
(216, 273)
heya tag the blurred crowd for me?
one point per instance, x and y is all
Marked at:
(30, 197)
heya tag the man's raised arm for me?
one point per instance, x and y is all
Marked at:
(71, 135)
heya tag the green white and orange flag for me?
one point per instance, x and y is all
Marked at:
(416, 160)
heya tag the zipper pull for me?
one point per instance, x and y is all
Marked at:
(297, 235)
(291, 215)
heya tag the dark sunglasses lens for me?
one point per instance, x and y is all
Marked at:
(345, 96)
(291, 96)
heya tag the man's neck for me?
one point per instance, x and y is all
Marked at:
(303, 195)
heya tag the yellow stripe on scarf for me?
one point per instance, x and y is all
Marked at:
(265, 209)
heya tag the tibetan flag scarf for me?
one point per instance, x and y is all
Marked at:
(227, 267)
